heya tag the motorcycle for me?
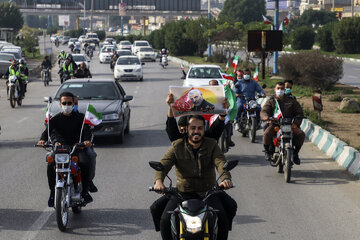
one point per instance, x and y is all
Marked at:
(283, 156)
(248, 123)
(46, 77)
(90, 51)
(194, 218)
(13, 91)
(68, 182)
(164, 61)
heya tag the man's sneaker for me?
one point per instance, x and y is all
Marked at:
(87, 197)
(236, 126)
(92, 187)
(231, 144)
(51, 199)
(267, 156)
(296, 159)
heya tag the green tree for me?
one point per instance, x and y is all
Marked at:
(195, 31)
(324, 37)
(346, 35)
(10, 16)
(176, 41)
(245, 11)
(29, 40)
(312, 18)
(32, 21)
(303, 38)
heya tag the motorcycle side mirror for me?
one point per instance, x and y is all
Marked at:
(229, 165)
(264, 86)
(156, 165)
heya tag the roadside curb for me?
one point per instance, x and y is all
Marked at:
(180, 61)
(346, 156)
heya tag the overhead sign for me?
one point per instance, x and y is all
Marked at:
(337, 9)
(122, 9)
(265, 40)
(64, 20)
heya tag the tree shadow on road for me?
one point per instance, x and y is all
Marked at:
(248, 160)
(17, 219)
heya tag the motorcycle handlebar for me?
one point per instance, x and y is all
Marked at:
(166, 190)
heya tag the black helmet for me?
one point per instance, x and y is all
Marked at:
(69, 56)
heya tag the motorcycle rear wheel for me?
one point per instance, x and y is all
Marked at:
(12, 97)
(224, 143)
(288, 164)
(252, 132)
(62, 211)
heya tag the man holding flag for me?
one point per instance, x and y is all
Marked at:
(279, 106)
(68, 128)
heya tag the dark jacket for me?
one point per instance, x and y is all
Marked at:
(204, 107)
(290, 108)
(46, 64)
(214, 131)
(66, 129)
(195, 172)
(83, 73)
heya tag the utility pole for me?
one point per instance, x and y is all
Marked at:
(91, 18)
(352, 8)
(84, 22)
(333, 6)
(122, 20)
(209, 17)
(276, 27)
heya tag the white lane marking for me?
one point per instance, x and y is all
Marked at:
(38, 224)
(22, 120)
(351, 76)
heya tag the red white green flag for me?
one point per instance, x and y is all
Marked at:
(235, 62)
(227, 76)
(92, 117)
(182, 67)
(47, 115)
(277, 110)
(266, 20)
(256, 75)
(227, 65)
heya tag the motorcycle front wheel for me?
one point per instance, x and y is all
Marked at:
(288, 164)
(224, 145)
(12, 97)
(252, 133)
(62, 211)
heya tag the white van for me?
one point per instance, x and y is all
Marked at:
(139, 44)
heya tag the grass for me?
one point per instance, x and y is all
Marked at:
(32, 56)
(336, 98)
(313, 116)
(347, 110)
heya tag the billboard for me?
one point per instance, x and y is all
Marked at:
(64, 20)
(283, 4)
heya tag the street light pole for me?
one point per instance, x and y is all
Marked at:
(91, 18)
(276, 27)
(84, 16)
(209, 17)
(122, 20)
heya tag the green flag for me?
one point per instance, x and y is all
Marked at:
(231, 97)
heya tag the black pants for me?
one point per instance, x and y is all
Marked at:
(85, 166)
(214, 201)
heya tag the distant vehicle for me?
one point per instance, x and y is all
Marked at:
(79, 58)
(128, 68)
(112, 29)
(14, 52)
(146, 53)
(92, 36)
(105, 54)
(72, 41)
(5, 62)
(125, 45)
(82, 38)
(123, 53)
(107, 96)
(200, 75)
(53, 38)
(65, 40)
(13, 48)
(139, 44)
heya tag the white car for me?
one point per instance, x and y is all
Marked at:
(53, 38)
(200, 75)
(139, 44)
(146, 53)
(124, 45)
(79, 58)
(72, 41)
(128, 68)
(106, 54)
(82, 38)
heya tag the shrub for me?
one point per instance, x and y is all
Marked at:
(303, 38)
(74, 33)
(324, 37)
(312, 69)
(346, 35)
(101, 34)
(336, 98)
(217, 57)
(51, 31)
(313, 116)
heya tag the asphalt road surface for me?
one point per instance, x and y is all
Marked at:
(321, 203)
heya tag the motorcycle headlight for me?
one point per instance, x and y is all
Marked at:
(113, 116)
(286, 128)
(193, 224)
(253, 104)
(62, 158)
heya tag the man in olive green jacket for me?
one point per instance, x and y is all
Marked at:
(195, 158)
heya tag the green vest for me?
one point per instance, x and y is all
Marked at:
(12, 72)
(62, 55)
(69, 69)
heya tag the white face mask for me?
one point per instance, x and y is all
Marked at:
(279, 92)
(247, 77)
(67, 109)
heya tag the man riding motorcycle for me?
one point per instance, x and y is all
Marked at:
(246, 88)
(64, 129)
(61, 57)
(44, 65)
(68, 68)
(114, 58)
(14, 69)
(195, 158)
(24, 73)
(290, 108)
(163, 51)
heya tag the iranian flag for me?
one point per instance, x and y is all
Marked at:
(287, 20)
(256, 75)
(235, 62)
(47, 115)
(227, 76)
(266, 20)
(277, 110)
(227, 65)
(92, 117)
(182, 67)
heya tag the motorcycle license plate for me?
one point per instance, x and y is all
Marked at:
(252, 115)
(286, 128)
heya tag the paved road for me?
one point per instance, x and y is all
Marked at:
(321, 203)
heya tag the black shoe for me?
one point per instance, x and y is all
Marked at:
(51, 199)
(296, 159)
(87, 197)
(231, 144)
(92, 187)
(267, 156)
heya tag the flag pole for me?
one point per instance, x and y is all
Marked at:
(82, 127)
(48, 123)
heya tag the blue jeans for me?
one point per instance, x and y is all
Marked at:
(92, 156)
